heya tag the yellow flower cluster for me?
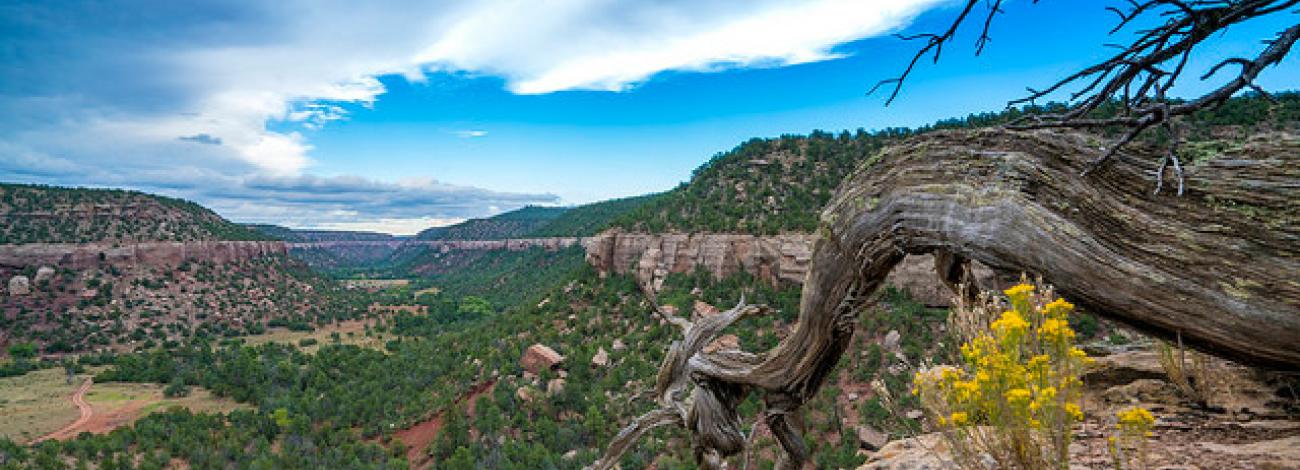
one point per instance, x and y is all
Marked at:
(1136, 419)
(1023, 375)
(1133, 427)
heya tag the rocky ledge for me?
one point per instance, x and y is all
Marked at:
(776, 259)
(86, 255)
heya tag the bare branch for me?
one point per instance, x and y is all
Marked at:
(1141, 73)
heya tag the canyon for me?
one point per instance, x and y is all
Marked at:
(651, 257)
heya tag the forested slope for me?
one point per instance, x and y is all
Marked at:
(514, 224)
(50, 214)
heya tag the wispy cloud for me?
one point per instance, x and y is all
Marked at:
(201, 139)
(471, 133)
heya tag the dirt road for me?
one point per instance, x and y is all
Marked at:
(79, 399)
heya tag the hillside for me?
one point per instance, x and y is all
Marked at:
(514, 224)
(588, 219)
(775, 185)
(312, 235)
(100, 270)
(49, 214)
(129, 306)
(480, 272)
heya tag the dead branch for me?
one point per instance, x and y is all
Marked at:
(1141, 74)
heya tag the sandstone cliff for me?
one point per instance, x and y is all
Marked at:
(651, 257)
(776, 259)
(156, 254)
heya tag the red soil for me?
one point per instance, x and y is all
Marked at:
(418, 437)
(72, 429)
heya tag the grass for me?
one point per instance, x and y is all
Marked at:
(375, 283)
(350, 332)
(113, 397)
(37, 403)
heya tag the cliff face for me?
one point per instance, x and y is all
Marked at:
(155, 254)
(776, 259)
(651, 257)
(512, 244)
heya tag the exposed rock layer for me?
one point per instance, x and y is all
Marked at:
(514, 244)
(651, 257)
(776, 259)
(161, 254)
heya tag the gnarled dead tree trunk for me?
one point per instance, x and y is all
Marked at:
(1220, 265)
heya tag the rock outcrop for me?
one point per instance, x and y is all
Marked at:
(161, 254)
(19, 285)
(513, 244)
(777, 259)
(540, 357)
(43, 274)
(651, 257)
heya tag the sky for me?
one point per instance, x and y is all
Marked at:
(397, 116)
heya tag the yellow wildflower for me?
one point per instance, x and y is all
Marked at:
(1058, 308)
(1038, 361)
(1017, 395)
(1010, 323)
(960, 418)
(1019, 292)
(1135, 417)
(1055, 330)
(1073, 411)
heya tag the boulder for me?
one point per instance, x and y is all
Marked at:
(524, 394)
(555, 386)
(19, 285)
(870, 438)
(540, 357)
(703, 309)
(724, 342)
(669, 309)
(601, 359)
(1142, 391)
(618, 345)
(917, 453)
(43, 274)
(891, 340)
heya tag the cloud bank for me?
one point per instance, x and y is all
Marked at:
(203, 101)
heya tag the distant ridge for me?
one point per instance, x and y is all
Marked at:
(318, 235)
(52, 214)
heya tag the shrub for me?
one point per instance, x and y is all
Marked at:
(1128, 447)
(1017, 393)
(1199, 379)
(176, 389)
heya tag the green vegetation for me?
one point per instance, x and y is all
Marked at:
(307, 235)
(589, 219)
(504, 277)
(50, 214)
(770, 186)
(514, 224)
(141, 307)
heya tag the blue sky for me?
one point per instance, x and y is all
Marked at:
(395, 117)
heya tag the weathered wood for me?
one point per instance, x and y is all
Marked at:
(1219, 266)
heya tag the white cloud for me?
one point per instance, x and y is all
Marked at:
(392, 226)
(471, 133)
(112, 102)
(602, 45)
